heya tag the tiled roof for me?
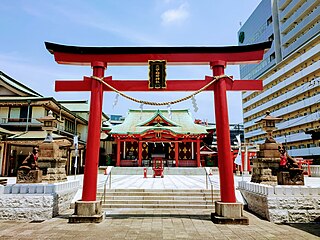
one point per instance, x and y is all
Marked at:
(76, 106)
(5, 131)
(17, 85)
(180, 122)
(35, 135)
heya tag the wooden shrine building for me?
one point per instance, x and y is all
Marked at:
(146, 133)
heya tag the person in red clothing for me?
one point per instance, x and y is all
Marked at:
(286, 161)
(283, 158)
(31, 162)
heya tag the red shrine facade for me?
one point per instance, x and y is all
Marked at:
(147, 133)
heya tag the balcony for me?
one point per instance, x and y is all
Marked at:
(296, 137)
(19, 122)
(300, 41)
(301, 27)
(307, 6)
(298, 121)
(304, 152)
(287, 124)
(291, 108)
(285, 96)
(304, 57)
(288, 9)
(282, 3)
(33, 122)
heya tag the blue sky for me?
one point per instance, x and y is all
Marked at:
(26, 25)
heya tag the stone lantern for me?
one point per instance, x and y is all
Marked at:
(266, 164)
(49, 125)
(51, 159)
(269, 125)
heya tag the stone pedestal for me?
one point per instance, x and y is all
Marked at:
(36, 201)
(87, 212)
(291, 177)
(29, 176)
(52, 162)
(266, 165)
(229, 213)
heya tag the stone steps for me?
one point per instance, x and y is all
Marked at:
(162, 206)
(167, 171)
(162, 198)
(158, 198)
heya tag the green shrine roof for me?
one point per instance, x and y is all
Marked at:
(139, 122)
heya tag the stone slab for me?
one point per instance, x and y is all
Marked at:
(225, 220)
(29, 176)
(86, 219)
(269, 146)
(291, 177)
(268, 154)
(229, 210)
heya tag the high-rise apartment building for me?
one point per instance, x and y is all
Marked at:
(290, 72)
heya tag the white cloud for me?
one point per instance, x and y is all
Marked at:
(175, 16)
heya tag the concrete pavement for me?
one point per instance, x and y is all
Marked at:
(156, 224)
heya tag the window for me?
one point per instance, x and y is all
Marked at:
(271, 38)
(14, 113)
(19, 114)
(311, 145)
(69, 126)
(272, 56)
(269, 21)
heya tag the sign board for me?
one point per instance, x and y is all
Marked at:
(157, 74)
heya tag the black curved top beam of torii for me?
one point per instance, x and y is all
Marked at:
(130, 56)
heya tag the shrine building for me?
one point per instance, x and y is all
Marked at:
(144, 134)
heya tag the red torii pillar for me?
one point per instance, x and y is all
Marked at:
(98, 58)
(225, 162)
(93, 142)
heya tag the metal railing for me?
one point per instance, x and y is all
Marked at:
(209, 181)
(108, 178)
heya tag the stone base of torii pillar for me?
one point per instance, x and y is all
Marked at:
(229, 213)
(87, 212)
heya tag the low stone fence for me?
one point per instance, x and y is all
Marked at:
(281, 204)
(37, 201)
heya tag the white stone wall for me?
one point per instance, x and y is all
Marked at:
(36, 201)
(282, 204)
(23, 206)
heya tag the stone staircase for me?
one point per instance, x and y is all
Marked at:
(167, 170)
(158, 198)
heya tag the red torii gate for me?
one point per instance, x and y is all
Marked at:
(217, 57)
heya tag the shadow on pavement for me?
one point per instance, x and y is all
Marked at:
(189, 216)
(312, 228)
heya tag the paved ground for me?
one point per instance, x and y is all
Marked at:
(156, 223)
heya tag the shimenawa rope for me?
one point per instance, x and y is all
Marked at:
(215, 78)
